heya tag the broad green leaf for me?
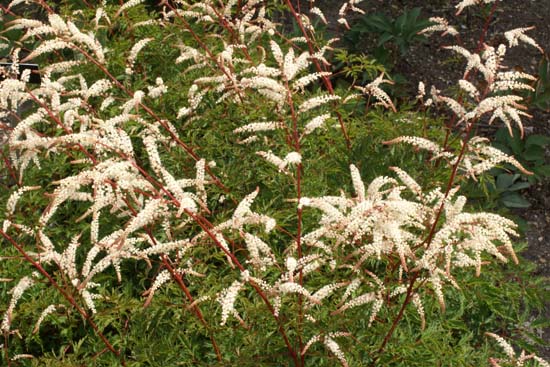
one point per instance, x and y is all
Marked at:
(514, 200)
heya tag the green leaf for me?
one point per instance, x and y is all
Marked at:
(378, 23)
(514, 200)
(401, 22)
(543, 171)
(534, 153)
(544, 69)
(539, 140)
(519, 186)
(384, 38)
(505, 180)
(502, 147)
(542, 101)
(523, 226)
(513, 142)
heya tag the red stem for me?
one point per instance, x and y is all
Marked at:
(486, 26)
(206, 227)
(395, 322)
(6, 349)
(183, 287)
(298, 181)
(326, 81)
(10, 169)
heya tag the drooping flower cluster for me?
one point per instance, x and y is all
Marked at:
(479, 157)
(330, 344)
(380, 223)
(16, 294)
(440, 25)
(495, 94)
(466, 3)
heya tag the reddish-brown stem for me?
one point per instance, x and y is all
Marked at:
(395, 322)
(7, 11)
(6, 349)
(298, 183)
(10, 169)
(450, 184)
(486, 26)
(183, 287)
(279, 325)
(45, 6)
(65, 295)
(326, 80)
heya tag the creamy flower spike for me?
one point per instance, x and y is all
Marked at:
(466, 3)
(16, 294)
(374, 90)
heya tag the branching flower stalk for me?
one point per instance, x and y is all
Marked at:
(141, 104)
(469, 126)
(178, 278)
(175, 275)
(318, 67)
(150, 112)
(469, 76)
(206, 226)
(93, 159)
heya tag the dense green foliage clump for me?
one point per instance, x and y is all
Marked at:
(146, 307)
